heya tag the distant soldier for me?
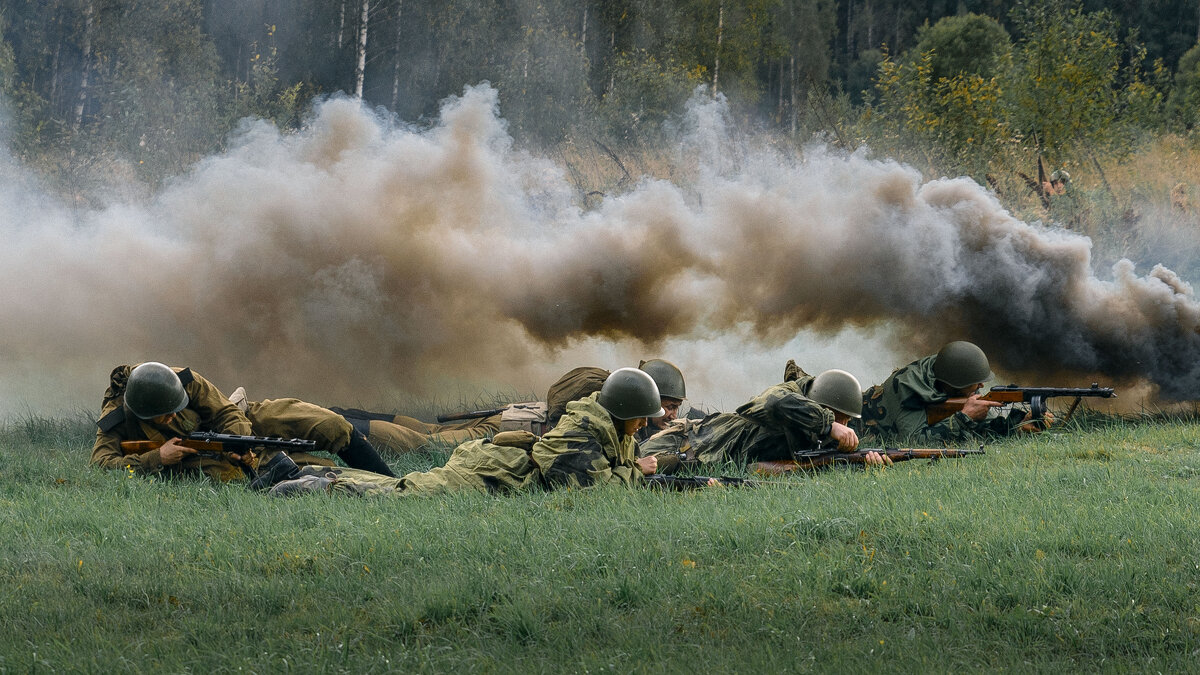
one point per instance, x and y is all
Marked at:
(154, 402)
(672, 391)
(896, 409)
(803, 413)
(591, 445)
(1057, 185)
(1179, 198)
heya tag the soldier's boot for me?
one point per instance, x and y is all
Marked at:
(360, 454)
(238, 398)
(280, 468)
(302, 485)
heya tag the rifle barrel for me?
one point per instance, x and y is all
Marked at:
(471, 415)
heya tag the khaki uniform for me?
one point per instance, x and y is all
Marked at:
(895, 411)
(771, 426)
(583, 450)
(407, 434)
(401, 434)
(209, 410)
(647, 431)
(576, 384)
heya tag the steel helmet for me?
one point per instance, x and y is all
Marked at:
(838, 390)
(668, 378)
(154, 389)
(630, 393)
(961, 364)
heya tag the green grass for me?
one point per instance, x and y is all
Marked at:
(1064, 551)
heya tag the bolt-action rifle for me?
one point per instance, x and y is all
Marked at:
(665, 482)
(1034, 396)
(470, 415)
(826, 457)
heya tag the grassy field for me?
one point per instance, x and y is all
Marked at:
(1067, 551)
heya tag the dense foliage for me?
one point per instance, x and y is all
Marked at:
(145, 88)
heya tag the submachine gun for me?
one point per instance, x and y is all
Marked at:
(213, 445)
(1035, 396)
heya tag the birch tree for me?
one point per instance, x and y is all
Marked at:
(360, 69)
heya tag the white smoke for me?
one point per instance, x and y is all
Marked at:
(360, 261)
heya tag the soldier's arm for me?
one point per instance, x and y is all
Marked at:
(106, 453)
(216, 411)
(805, 420)
(580, 461)
(911, 425)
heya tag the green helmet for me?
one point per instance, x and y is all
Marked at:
(630, 393)
(838, 390)
(668, 378)
(961, 364)
(1060, 174)
(154, 389)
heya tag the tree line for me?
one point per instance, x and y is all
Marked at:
(157, 84)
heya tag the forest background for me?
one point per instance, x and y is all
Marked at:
(136, 91)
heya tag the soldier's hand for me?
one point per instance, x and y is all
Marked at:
(877, 459)
(247, 457)
(1029, 425)
(648, 465)
(846, 439)
(172, 452)
(977, 408)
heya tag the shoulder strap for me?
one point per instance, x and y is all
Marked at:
(112, 419)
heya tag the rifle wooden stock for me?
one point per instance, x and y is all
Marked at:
(472, 415)
(819, 459)
(1034, 396)
(141, 447)
(939, 411)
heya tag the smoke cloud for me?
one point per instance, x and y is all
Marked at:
(361, 259)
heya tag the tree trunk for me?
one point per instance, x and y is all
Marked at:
(86, 64)
(54, 76)
(583, 33)
(779, 105)
(870, 26)
(360, 70)
(717, 55)
(849, 32)
(396, 57)
(612, 49)
(792, 80)
(341, 23)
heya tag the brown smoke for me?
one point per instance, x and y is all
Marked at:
(356, 260)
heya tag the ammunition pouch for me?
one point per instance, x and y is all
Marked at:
(515, 439)
(529, 417)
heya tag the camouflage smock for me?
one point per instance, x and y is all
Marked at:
(895, 410)
(770, 426)
(582, 451)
